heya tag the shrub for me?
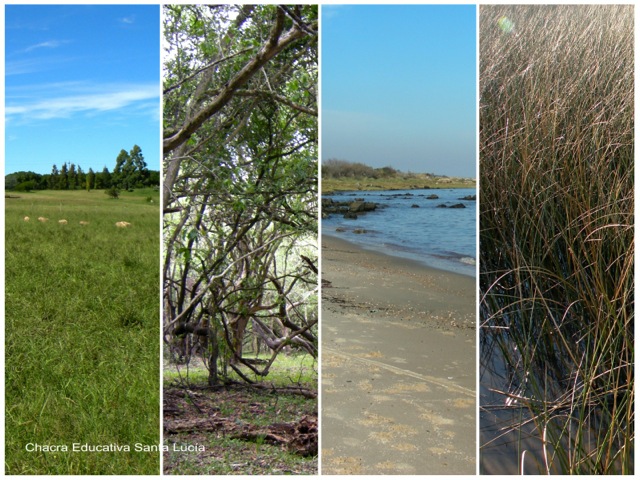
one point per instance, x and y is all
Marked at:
(334, 168)
(113, 192)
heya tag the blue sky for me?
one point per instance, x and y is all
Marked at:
(81, 83)
(399, 86)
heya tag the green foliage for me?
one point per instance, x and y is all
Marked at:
(556, 239)
(81, 333)
(25, 181)
(113, 192)
(245, 203)
(130, 172)
(25, 186)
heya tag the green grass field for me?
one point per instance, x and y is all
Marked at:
(82, 332)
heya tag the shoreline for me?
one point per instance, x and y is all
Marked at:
(398, 365)
(402, 261)
(444, 290)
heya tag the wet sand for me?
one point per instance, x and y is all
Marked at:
(398, 366)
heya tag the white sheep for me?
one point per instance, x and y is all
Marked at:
(83, 223)
(26, 219)
(43, 219)
(62, 222)
(123, 224)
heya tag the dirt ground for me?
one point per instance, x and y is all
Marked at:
(398, 366)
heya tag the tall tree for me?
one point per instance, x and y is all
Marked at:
(140, 171)
(105, 178)
(240, 187)
(63, 183)
(119, 171)
(54, 178)
(91, 179)
(72, 176)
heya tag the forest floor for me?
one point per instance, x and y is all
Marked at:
(237, 429)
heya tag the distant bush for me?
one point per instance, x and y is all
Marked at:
(25, 186)
(386, 172)
(113, 192)
(334, 168)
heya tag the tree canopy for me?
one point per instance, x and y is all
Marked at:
(240, 188)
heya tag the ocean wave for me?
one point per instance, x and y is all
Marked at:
(468, 260)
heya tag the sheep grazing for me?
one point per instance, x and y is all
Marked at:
(26, 219)
(62, 222)
(43, 219)
(83, 223)
(123, 224)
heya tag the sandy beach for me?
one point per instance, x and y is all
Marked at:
(398, 365)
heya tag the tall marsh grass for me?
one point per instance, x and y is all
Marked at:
(556, 223)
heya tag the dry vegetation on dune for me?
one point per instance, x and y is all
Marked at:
(342, 175)
(556, 189)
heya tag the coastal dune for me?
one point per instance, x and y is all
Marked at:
(398, 365)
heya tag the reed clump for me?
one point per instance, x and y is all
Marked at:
(556, 225)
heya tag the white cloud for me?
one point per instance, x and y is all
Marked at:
(128, 20)
(332, 11)
(47, 44)
(93, 100)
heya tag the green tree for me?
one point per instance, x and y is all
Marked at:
(105, 178)
(54, 179)
(81, 177)
(63, 183)
(118, 175)
(91, 179)
(140, 174)
(240, 188)
(72, 175)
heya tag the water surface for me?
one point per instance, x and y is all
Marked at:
(443, 238)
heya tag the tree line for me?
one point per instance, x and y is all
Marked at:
(130, 171)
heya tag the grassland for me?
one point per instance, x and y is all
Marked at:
(410, 181)
(557, 233)
(82, 331)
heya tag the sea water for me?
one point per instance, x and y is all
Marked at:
(443, 238)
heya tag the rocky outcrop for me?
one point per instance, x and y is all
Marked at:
(349, 209)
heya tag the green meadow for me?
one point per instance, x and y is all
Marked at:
(81, 333)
